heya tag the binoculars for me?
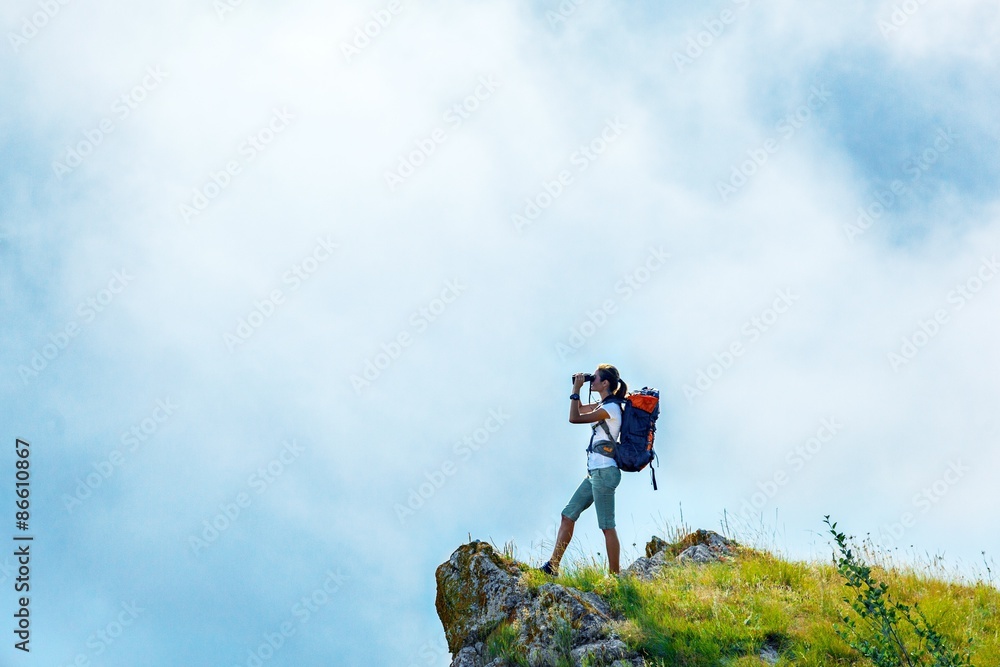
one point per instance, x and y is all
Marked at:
(587, 377)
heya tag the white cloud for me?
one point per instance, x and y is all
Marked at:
(495, 344)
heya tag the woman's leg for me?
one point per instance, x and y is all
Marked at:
(614, 549)
(563, 537)
(606, 480)
(581, 500)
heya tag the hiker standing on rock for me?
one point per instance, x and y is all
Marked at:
(603, 475)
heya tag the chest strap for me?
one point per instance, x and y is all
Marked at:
(605, 447)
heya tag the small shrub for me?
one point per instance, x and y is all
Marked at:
(880, 638)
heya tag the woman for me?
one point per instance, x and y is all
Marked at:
(603, 475)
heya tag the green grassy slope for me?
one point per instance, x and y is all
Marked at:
(722, 613)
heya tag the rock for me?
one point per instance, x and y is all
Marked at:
(478, 589)
(701, 546)
(655, 545)
(699, 553)
(604, 652)
(467, 657)
(647, 568)
(716, 543)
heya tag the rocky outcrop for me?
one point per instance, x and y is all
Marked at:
(701, 546)
(480, 594)
(483, 601)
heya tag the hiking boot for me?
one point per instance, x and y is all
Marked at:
(549, 570)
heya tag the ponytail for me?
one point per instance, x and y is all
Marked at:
(610, 373)
(622, 390)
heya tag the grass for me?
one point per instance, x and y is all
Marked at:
(723, 613)
(503, 642)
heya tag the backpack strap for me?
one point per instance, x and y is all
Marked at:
(620, 402)
(603, 423)
(607, 429)
(653, 472)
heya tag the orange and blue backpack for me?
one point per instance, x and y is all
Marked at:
(633, 450)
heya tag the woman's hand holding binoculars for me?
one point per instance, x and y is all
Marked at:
(580, 378)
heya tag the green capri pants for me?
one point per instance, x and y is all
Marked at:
(599, 490)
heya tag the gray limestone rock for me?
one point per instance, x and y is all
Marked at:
(478, 589)
(703, 546)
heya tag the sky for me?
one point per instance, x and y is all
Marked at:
(292, 295)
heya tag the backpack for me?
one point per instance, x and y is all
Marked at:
(633, 450)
